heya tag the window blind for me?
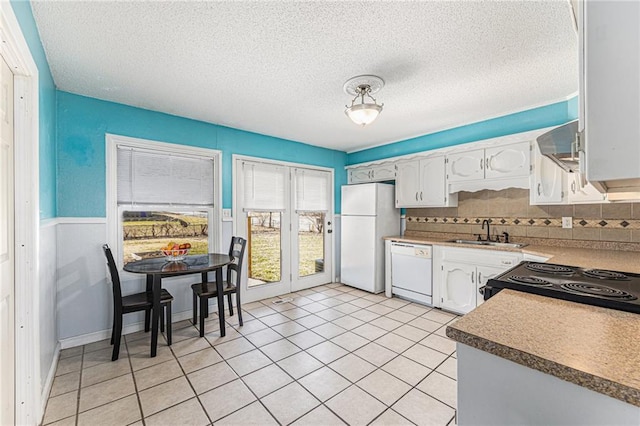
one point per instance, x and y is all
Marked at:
(312, 190)
(264, 186)
(148, 177)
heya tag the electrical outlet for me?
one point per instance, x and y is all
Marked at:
(567, 222)
(226, 214)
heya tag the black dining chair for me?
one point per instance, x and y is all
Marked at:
(206, 290)
(133, 303)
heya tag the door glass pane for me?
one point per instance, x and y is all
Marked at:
(265, 263)
(310, 243)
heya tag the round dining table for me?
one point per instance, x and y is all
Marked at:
(157, 268)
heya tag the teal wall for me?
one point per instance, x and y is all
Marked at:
(83, 122)
(47, 93)
(549, 115)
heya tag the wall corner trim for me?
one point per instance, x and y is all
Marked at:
(46, 389)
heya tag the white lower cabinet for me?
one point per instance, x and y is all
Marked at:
(459, 273)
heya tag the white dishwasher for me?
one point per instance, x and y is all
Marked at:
(411, 272)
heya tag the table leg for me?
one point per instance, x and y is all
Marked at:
(220, 289)
(157, 289)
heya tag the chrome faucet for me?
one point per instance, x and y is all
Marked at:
(488, 233)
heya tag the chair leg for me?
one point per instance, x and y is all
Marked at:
(230, 304)
(203, 309)
(169, 324)
(117, 329)
(195, 308)
(147, 320)
(161, 319)
(238, 307)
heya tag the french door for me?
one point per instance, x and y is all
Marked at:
(285, 213)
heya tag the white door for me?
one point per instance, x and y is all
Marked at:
(468, 165)
(358, 252)
(360, 200)
(507, 161)
(7, 301)
(484, 274)
(407, 184)
(458, 290)
(548, 180)
(432, 182)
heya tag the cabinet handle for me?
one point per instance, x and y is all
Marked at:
(481, 163)
(539, 189)
(373, 174)
(473, 278)
(416, 195)
(420, 195)
(369, 174)
(573, 187)
(479, 277)
(486, 163)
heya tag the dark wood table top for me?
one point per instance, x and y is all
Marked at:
(190, 265)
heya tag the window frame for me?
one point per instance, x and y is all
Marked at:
(114, 210)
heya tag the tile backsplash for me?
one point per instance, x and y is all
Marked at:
(509, 211)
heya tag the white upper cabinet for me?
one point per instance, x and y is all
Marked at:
(583, 192)
(468, 165)
(422, 183)
(507, 161)
(377, 173)
(548, 181)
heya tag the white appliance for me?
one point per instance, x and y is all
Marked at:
(411, 272)
(368, 215)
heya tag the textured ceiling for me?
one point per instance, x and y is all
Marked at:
(278, 68)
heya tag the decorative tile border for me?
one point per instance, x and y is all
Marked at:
(549, 222)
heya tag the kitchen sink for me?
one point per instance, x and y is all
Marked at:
(488, 243)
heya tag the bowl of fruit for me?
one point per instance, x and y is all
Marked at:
(175, 252)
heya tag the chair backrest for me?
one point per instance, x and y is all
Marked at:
(236, 249)
(115, 278)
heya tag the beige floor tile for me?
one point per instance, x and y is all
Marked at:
(102, 344)
(355, 406)
(401, 316)
(348, 322)
(261, 311)
(390, 418)
(439, 316)
(234, 348)
(61, 406)
(279, 349)
(315, 307)
(324, 383)
(319, 416)
(449, 368)
(384, 386)
(386, 323)
(396, 343)
(410, 332)
(362, 303)
(394, 303)
(300, 300)
(235, 396)
(263, 337)
(310, 321)
(142, 345)
(328, 330)
(380, 309)
(425, 324)
(407, 370)
(376, 297)
(376, 354)
(332, 303)
(214, 336)
(317, 296)
(187, 413)
(295, 313)
(439, 343)
(252, 414)
(274, 319)
(198, 360)
(279, 307)
(165, 395)
(249, 327)
(107, 391)
(345, 297)
(425, 356)
(67, 421)
(69, 365)
(350, 341)
(306, 339)
(442, 331)
(121, 412)
(69, 352)
(289, 328)
(440, 387)
(136, 335)
(211, 377)
(369, 331)
(100, 356)
(188, 346)
(143, 360)
(330, 314)
(299, 365)
(65, 383)
(290, 403)
(105, 371)
(326, 352)
(157, 374)
(415, 309)
(266, 380)
(422, 409)
(352, 367)
(347, 308)
(249, 362)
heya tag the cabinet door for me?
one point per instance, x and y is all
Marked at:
(467, 165)
(383, 172)
(547, 180)
(432, 182)
(580, 192)
(407, 181)
(507, 161)
(458, 287)
(360, 175)
(484, 274)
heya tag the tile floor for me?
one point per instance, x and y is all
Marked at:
(328, 356)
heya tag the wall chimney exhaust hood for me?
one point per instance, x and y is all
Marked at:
(561, 145)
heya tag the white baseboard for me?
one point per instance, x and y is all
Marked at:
(46, 389)
(85, 339)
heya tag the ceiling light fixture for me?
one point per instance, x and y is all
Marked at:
(362, 86)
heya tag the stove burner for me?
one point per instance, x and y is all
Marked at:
(549, 268)
(529, 280)
(604, 275)
(598, 290)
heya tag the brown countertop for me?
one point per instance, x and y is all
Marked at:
(593, 347)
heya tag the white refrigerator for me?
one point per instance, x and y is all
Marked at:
(368, 215)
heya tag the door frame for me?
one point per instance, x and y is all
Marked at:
(15, 51)
(330, 213)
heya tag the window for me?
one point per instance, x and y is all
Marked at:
(164, 194)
